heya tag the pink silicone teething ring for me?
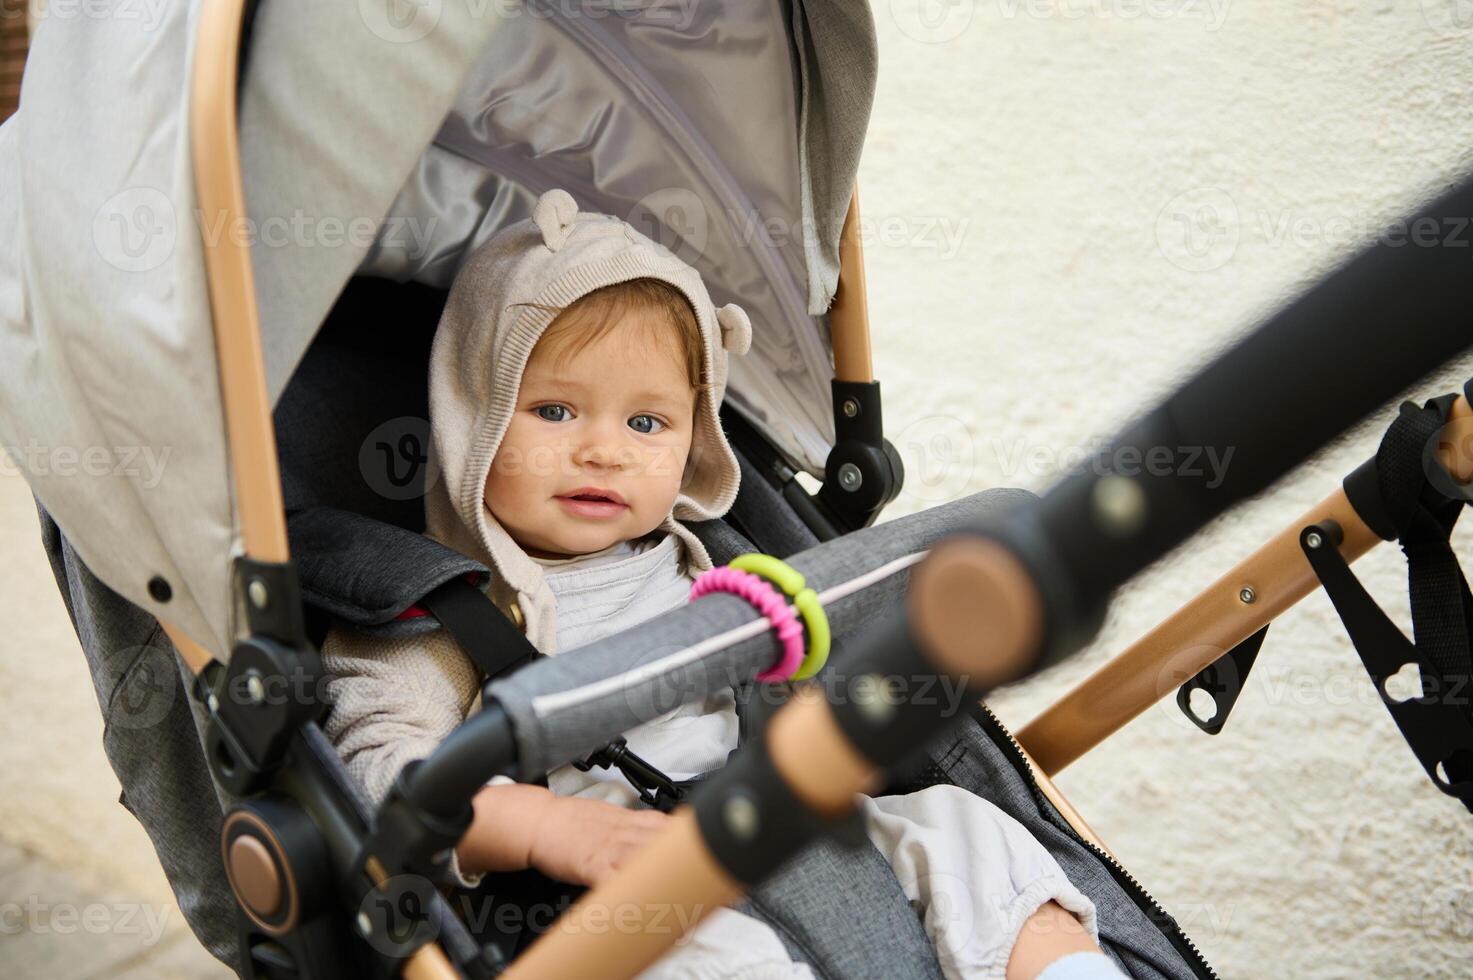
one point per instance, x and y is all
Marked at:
(768, 601)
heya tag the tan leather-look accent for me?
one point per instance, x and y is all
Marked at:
(622, 925)
(805, 731)
(849, 313)
(270, 921)
(215, 147)
(1455, 443)
(195, 657)
(429, 963)
(975, 611)
(253, 872)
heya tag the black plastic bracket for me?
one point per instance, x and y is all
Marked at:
(1435, 724)
(1223, 679)
(752, 821)
(655, 789)
(863, 472)
(270, 687)
(409, 838)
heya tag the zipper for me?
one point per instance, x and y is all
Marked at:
(591, 34)
(1158, 915)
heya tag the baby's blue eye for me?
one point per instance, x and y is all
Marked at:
(542, 411)
(637, 424)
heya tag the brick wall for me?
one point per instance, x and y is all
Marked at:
(14, 40)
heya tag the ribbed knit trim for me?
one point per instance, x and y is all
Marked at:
(531, 322)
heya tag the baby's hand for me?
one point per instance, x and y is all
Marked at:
(586, 841)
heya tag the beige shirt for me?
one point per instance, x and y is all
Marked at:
(395, 698)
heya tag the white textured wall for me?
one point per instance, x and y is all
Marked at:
(1056, 142)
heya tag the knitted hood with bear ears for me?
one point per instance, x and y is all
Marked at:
(481, 349)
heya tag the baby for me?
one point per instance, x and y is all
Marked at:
(574, 386)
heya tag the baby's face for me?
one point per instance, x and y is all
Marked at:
(614, 419)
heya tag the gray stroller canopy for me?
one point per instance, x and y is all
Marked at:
(387, 139)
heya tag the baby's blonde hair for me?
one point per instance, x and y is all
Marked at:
(595, 313)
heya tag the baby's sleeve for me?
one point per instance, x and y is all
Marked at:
(394, 699)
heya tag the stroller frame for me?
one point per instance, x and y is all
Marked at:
(1037, 585)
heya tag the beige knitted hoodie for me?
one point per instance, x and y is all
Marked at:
(396, 697)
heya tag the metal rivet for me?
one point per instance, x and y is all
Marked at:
(851, 407)
(850, 478)
(255, 688)
(213, 703)
(258, 593)
(1247, 596)
(1313, 540)
(1119, 505)
(365, 925)
(740, 815)
(872, 697)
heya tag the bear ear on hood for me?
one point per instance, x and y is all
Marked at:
(736, 329)
(553, 215)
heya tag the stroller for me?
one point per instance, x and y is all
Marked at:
(287, 375)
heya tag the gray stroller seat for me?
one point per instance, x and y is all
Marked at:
(350, 433)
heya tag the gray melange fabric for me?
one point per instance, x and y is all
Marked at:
(567, 706)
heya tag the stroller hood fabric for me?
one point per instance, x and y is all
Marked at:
(505, 297)
(351, 142)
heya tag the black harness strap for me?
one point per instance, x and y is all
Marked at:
(492, 642)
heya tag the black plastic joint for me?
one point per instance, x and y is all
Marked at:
(408, 838)
(754, 823)
(885, 702)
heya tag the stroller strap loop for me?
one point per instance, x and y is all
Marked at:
(1405, 495)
